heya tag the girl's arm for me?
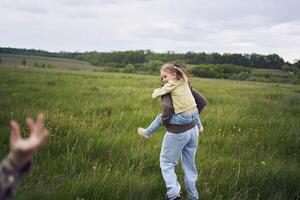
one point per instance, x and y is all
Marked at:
(167, 88)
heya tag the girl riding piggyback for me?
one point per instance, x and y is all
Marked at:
(175, 82)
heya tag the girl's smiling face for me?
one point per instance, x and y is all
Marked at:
(167, 76)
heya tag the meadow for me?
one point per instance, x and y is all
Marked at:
(250, 148)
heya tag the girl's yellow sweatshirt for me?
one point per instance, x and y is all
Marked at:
(180, 91)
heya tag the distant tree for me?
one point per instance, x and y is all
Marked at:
(297, 64)
(288, 63)
(152, 66)
(286, 67)
(293, 69)
(120, 59)
(220, 71)
(0, 60)
(36, 64)
(129, 68)
(24, 62)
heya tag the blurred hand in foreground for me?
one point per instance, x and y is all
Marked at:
(22, 150)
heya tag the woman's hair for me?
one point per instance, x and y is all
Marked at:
(177, 68)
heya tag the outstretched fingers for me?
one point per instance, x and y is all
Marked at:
(38, 132)
(31, 125)
(36, 127)
(15, 133)
(40, 121)
(44, 136)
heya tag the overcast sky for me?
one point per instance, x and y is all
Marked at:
(231, 26)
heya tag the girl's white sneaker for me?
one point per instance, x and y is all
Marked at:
(142, 132)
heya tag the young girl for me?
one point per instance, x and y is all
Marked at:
(175, 82)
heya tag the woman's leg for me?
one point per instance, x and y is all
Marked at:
(170, 151)
(188, 164)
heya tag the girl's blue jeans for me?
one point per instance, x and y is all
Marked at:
(180, 119)
(174, 145)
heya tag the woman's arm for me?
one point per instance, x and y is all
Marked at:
(19, 160)
(167, 109)
(167, 112)
(10, 176)
(199, 99)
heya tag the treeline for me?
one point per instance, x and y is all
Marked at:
(34, 52)
(119, 59)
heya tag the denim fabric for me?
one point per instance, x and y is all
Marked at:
(174, 145)
(183, 118)
(154, 126)
(180, 118)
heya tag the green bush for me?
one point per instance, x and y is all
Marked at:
(111, 69)
(24, 62)
(129, 68)
(241, 76)
(40, 65)
(151, 66)
(51, 66)
(218, 71)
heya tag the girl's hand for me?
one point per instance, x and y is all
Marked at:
(22, 150)
(201, 129)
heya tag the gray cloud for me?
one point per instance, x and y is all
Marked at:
(194, 25)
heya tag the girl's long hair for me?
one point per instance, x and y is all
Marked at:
(177, 68)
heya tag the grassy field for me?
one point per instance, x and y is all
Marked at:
(250, 148)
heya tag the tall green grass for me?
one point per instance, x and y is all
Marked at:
(250, 148)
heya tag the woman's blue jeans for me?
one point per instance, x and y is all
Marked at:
(174, 145)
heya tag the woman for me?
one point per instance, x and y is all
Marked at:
(180, 140)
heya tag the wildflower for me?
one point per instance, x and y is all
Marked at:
(263, 163)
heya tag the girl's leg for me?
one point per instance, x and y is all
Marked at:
(198, 121)
(154, 126)
(170, 151)
(188, 164)
(181, 118)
